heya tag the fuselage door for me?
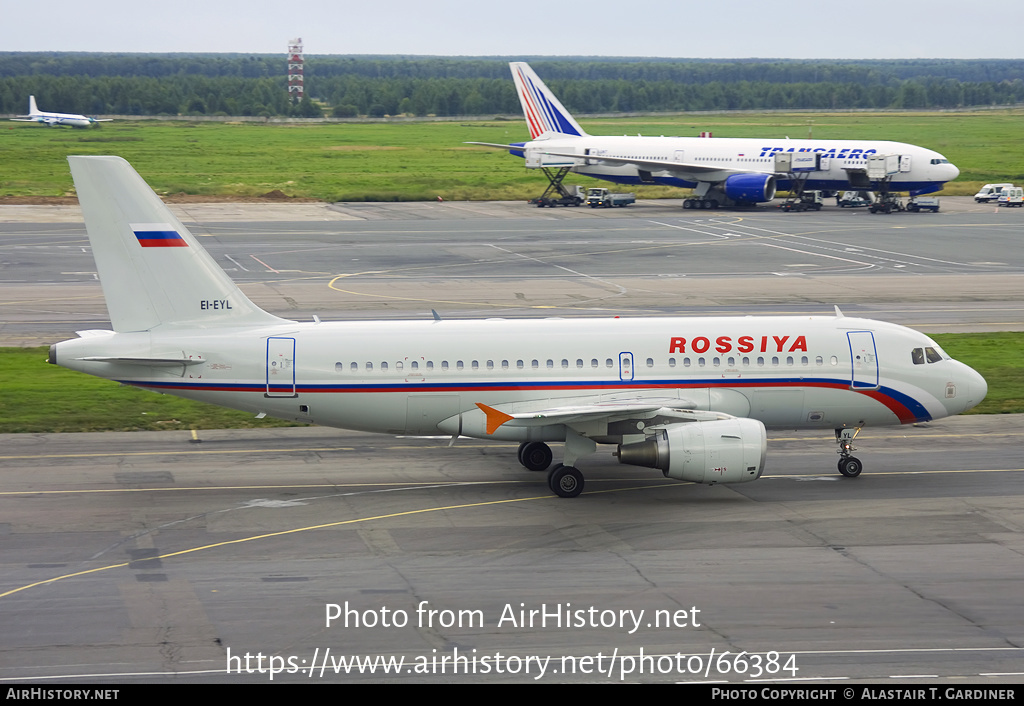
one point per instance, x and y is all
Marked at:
(281, 367)
(864, 360)
(625, 366)
(905, 163)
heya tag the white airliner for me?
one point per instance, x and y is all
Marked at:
(722, 171)
(690, 396)
(56, 119)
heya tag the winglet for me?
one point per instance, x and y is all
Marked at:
(839, 314)
(495, 417)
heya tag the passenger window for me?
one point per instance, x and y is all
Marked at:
(369, 366)
(490, 365)
(399, 365)
(476, 365)
(650, 362)
(415, 365)
(354, 367)
(444, 365)
(339, 367)
(579, 362)
(565, 363)
(671, 362)
(384, 367)
(459, 365)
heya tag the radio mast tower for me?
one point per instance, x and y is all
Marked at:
(295, 89)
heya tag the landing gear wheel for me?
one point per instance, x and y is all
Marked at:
(565, 481)
(535, 456)
(850, 467)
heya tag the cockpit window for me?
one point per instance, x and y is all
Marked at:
(940, 161)
(920, 356)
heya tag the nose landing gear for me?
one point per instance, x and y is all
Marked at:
(848, 465)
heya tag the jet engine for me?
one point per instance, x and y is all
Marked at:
(723, 451)
(752, 188)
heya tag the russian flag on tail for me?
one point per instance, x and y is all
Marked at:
(158, 235)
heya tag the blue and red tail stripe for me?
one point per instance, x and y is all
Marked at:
(541, 114)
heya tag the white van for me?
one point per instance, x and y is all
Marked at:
(1011, 196)
(989, 192)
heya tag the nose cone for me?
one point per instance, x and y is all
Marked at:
(952, 173)
(971, 388)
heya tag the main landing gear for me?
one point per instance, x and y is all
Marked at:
(848, 465)
(564, 481)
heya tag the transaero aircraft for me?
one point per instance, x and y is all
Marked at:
(689, 396)
(723, 172)
(56, 119)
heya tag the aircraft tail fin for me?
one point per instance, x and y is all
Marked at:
(153, 270)
(32, 109)
(544, 113)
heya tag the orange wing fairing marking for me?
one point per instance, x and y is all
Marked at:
(743, 344)
(495, 417)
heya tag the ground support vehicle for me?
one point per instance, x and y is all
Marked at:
(557, 194)
(1011, 196)
(924, 203)
(990, 192)
(598, 196)
(807, 201)
(856, 199)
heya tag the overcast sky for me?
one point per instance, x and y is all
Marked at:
(868, 29)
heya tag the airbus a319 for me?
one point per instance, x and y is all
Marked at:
(689, 396)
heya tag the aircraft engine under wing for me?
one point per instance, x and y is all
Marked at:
(723, 451)
(756, 188)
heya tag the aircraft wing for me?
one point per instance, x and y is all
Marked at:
(495, 144)
(576, 413)
(654, 165)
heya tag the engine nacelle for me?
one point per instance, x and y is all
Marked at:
(723, 451)
(752, 188)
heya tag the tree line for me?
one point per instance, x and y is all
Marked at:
(256, 85)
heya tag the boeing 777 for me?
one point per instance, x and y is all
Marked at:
(689, 396)
(56, 119)
(723, 172)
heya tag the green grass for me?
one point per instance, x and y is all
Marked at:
(46, 398)
(421, 160)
